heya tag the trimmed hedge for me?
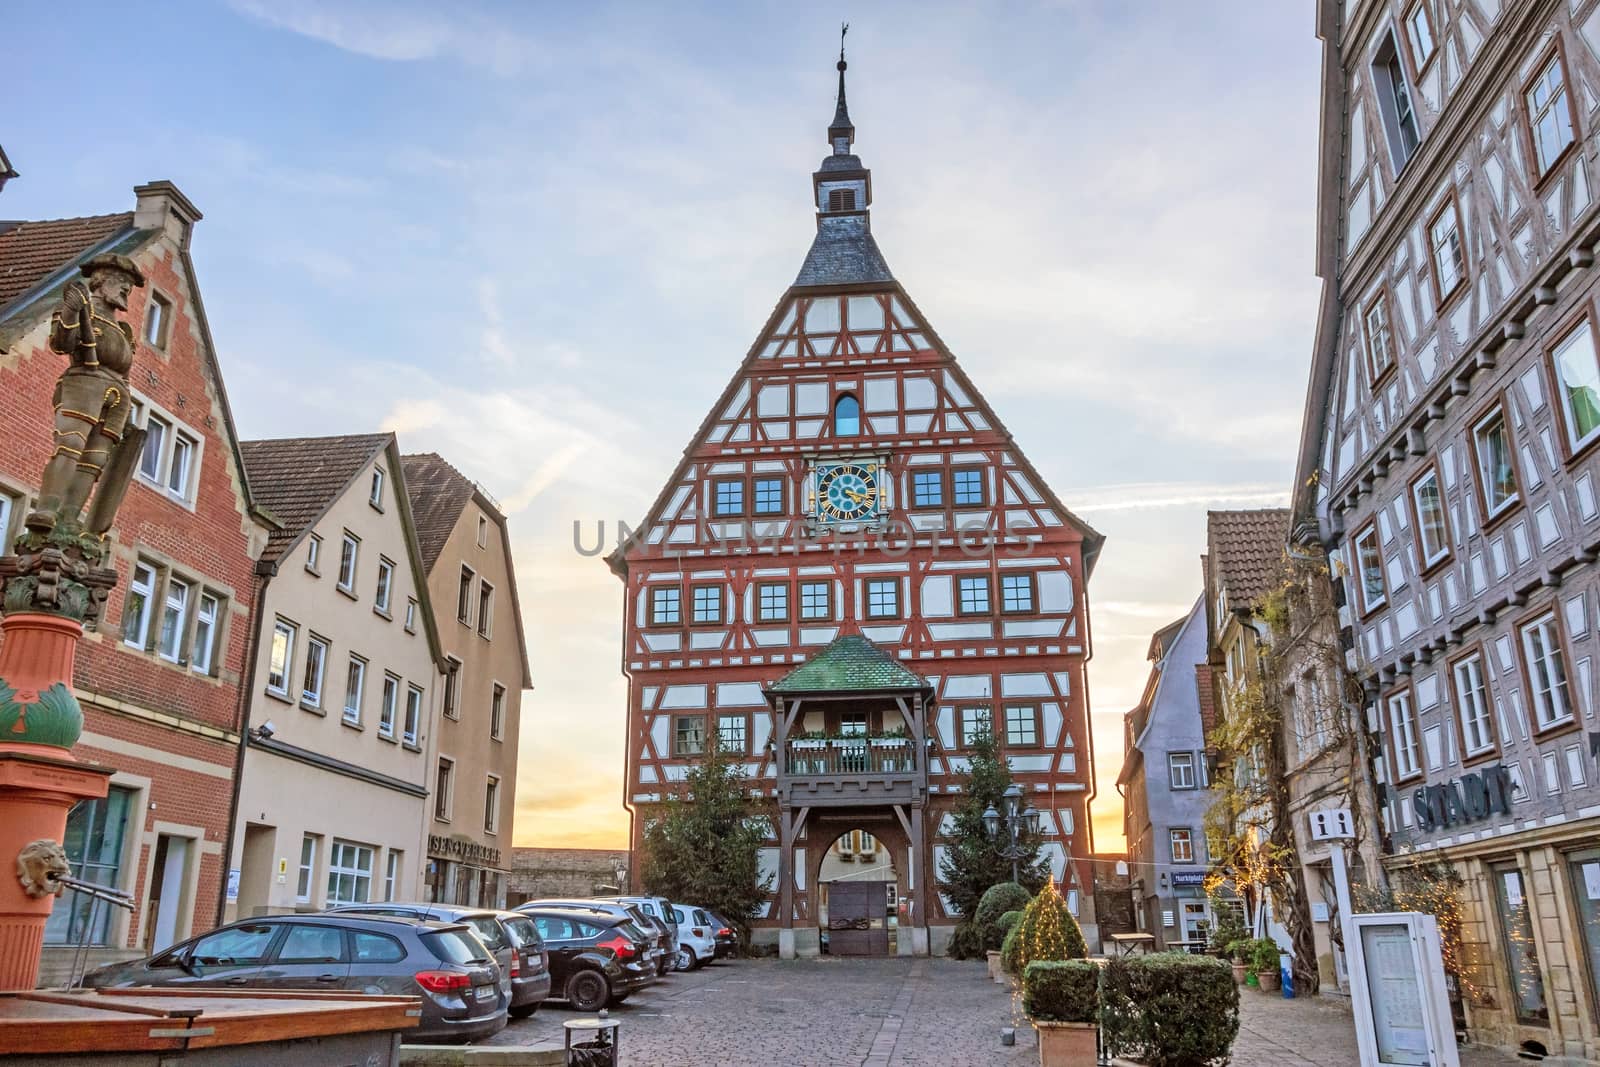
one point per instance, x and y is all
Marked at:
(1006, 922)
(1169, 1009)
(998, 900)
(1061, 991)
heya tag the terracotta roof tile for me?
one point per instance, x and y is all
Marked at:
(850, 663)
(31, 252)
(1246, 550)
(438, 493)
(298, 478)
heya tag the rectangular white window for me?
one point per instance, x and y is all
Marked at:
(413, 715)
(1497, 472)
(390, 709)
(136, 606)
(464, 595)
(1180, 769)
(349, 873)
(1419, 34)
(1182, 846)
(1369, 569)
(1394, 104)
(485, 609)
(174, 620)
(355, 681)
(973, 595)
(1472, 703)
(1432, 539)
(975, 721)
(1549, 114)
(1380, 342)
(314, 554)
(1444, 239)
(497, 713)
(157, 317)
(731, 733)
(1578, 386)
(452, 688)
(391, 874)
(375, 493)
(380, 599)
(205, 634)
(491, 804)
(1403, 737)
(308, 868)
(411, 615)
(1547, 671)
(180, 466)
(280, 657)
(483, 532)
(443, 785)
(349, 552)
(316, 670)
(156, 432)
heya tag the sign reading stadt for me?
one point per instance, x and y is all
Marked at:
(1467, 799)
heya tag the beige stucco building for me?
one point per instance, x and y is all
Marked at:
(344, 684)
(466, 552)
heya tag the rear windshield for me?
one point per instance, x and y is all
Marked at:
(649, 908)
(525, 932)
(455, 946)
(631, 932)
(702, 918)
(487, 927)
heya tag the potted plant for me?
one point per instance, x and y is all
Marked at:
(1264, 964)
(1236, 953)
(1062, 1000)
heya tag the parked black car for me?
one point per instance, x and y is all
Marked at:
(443, 963)
(727, 937)
(595, 959)
(662, 950)
(520, 954)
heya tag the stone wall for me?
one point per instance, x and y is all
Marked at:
(538, 873)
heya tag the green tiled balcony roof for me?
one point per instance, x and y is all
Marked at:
(850, 664)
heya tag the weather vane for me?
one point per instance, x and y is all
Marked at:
(844, 28)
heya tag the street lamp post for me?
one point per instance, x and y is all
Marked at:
(1012, 826)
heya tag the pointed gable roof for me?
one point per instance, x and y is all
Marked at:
(297, 479)
(439, 492)
(1245, 551)
(849, 664)
(33, 252)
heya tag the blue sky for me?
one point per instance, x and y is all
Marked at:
(538, 238)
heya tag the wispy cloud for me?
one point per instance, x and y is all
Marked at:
(398, 32)
(1155, 495)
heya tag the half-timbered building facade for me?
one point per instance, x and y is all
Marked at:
(852, 571)
(1447, 464)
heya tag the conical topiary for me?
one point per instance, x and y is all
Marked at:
(1047, 931)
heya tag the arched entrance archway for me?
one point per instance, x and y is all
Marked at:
(859, 883)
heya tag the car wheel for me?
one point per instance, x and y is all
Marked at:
(686, 959)
(522, 1011)
(588, 991)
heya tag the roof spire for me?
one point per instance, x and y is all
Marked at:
(841, 134)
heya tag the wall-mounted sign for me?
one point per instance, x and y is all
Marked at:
(1467, 799)
(463, 849)
(1332, 825)
(1188, 878)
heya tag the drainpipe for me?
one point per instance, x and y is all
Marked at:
(265, 571)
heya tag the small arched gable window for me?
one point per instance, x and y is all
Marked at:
(846, 416)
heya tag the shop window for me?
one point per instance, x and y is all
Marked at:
(94, 840)
(1521, 949)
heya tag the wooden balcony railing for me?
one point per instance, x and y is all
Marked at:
(847, 756)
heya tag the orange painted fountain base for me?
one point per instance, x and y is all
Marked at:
(39, 782)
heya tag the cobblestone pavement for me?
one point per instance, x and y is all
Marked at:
(878, 1013)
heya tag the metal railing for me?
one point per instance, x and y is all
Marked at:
(866, 755)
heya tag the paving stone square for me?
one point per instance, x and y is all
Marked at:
(916, 1013)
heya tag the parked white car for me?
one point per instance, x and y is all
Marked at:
(697, 936)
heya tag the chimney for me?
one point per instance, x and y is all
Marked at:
(162, 206)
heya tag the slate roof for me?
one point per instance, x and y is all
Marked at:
(849, 664)
(297, 479)
(843, 252)
(438, 494)
(1246, 550)
(30, 252)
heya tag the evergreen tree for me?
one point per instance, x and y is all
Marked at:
(972, 862)
(702, 847)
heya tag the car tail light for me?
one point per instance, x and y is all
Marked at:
(698, 932)
(442, 981)
(619, 945)
(516, 963)
(723, 931)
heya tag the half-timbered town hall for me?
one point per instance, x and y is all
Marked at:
(852, 572)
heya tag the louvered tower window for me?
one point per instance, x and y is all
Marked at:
(842, 200)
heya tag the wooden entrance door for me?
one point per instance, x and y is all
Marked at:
(858, 919)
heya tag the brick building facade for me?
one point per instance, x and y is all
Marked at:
(160, 680)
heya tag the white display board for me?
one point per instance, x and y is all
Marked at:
(1399, 991)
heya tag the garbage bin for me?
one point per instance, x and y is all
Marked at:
(592, 1042)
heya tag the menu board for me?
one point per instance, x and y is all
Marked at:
(1396, 992)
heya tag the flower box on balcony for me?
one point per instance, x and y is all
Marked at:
(890, 742)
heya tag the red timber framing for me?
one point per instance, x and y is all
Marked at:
(908, 555)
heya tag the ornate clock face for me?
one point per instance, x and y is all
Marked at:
(848, 492)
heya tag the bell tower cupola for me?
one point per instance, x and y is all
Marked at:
(842, 185)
